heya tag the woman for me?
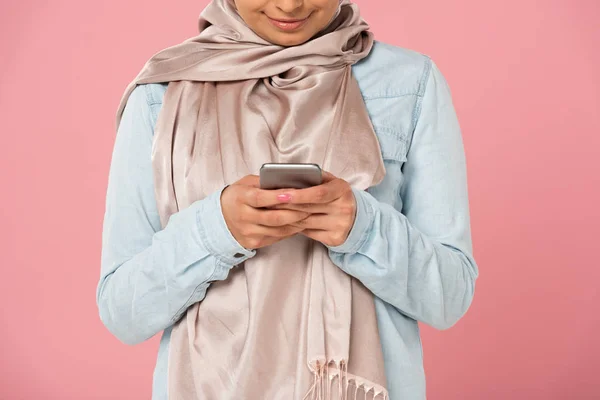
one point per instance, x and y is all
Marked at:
(289, 293)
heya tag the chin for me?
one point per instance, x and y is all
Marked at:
(290, 43)
(289, 39)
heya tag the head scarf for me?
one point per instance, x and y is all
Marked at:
(286, 323)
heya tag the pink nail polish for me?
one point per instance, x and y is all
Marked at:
(284, 197)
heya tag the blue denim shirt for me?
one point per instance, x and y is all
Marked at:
(410, 243)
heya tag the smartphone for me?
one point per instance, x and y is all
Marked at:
(289, 175)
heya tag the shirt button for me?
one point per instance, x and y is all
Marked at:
(238, 255)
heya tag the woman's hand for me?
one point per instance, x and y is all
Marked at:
(331, 207)
(252, 225)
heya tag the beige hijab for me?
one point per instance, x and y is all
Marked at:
(287, 323)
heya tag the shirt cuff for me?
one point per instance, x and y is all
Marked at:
(216, 235)
(362, 225)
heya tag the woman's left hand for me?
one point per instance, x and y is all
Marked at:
(332, 209)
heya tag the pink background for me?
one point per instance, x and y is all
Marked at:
(526, 87)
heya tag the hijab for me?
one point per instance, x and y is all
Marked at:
(286, 323)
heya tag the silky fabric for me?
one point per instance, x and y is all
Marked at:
(287, 323)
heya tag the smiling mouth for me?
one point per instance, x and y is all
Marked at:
(288, 24)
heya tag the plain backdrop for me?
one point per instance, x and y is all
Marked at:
(525, 81)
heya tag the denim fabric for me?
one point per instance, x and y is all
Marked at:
(410, 244)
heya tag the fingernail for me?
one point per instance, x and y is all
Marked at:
(284, 197)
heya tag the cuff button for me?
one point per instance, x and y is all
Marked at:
(238, 255)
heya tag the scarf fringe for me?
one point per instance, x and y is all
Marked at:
(348, 385)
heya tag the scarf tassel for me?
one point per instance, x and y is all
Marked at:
(347, 386)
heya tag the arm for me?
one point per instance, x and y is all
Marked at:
(149, 276)
(420, 260)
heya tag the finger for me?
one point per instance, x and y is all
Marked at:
(320, 221)
(249, 180)
(271, 217)
(318, 235)
(275, 231)
(324, 193)
(328, 238)
(326, 208)
(327, 176)
(259, 198)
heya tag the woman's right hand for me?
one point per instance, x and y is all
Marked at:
(251, 225)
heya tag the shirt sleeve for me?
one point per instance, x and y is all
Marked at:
(150, 276)
(420, 260)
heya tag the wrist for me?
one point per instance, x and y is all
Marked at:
(363, 222)
(216, 234)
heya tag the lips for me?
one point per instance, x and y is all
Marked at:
(288, 24)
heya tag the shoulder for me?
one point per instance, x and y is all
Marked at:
(155, 92)
(144, 102)
(392, 71)
(149, 93)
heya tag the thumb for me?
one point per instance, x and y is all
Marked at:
(327, 176)
(249, 180)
